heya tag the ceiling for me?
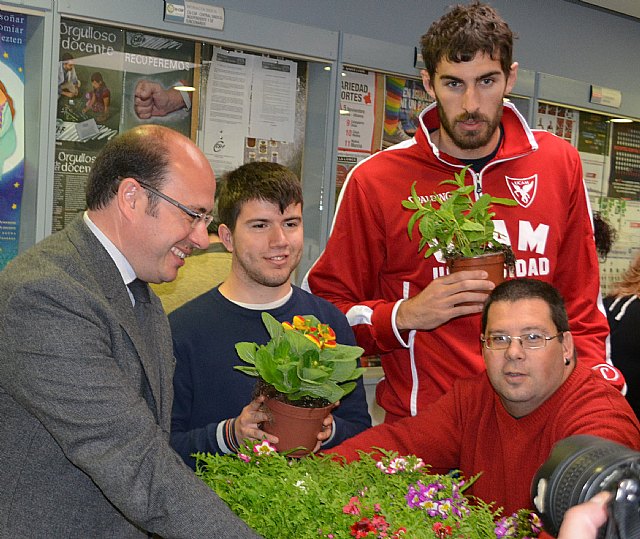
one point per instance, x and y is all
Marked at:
(626, 7)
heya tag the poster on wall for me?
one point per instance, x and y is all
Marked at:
(357, 120)
(405, 99)
(227, 105)
(624, 215)
(89, 83)
(110, 80)
(593, 145)
(88, 109)
(158, 76)
(287, 153)
(241, 123)
(357, 110)
(561, 121)
(624, 178)
(12, 72)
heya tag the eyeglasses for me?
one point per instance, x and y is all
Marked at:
(528, 341)
(196, 216)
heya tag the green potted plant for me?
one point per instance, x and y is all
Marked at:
(461, 228)
(303, 372)
(380, 495)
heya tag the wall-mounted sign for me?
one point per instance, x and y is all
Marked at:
(605, 96)
(194, 14)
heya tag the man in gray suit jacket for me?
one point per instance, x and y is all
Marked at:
(86, 384)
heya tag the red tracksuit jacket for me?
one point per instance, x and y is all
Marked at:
(369, 263)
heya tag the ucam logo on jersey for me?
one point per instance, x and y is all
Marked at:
(523, 189)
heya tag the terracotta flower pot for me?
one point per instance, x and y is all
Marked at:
(492, 263)
(295, 426)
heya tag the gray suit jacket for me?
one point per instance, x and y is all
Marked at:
(82, 453)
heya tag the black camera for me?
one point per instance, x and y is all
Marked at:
(578, 468)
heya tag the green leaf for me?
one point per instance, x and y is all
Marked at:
(342, 352)
(412, 221)
(313, 375)
(288, 379)
(267, 368)
(409, 204)
(247, 351)
(299, 343)
(415, 198)
(466, 190)
(281, 349)
(251, 371)
(504, 201)
(470, 226)
(329, 390)
(274, 328)
(343, 370)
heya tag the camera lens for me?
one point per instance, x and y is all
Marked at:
(578, 468)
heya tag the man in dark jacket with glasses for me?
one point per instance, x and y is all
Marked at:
(86, 361)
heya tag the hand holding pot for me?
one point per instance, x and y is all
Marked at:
(247, 427)
(441, 300)
(326, 432)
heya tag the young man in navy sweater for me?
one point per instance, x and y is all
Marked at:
(260, 214)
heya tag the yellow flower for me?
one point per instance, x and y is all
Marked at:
(322, 336)
(300, 323)
(313, 339)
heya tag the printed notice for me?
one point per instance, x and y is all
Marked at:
(227, 105)
(273, 100)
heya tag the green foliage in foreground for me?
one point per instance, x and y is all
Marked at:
(307, 498)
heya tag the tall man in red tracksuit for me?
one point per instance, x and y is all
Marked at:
(406, 308)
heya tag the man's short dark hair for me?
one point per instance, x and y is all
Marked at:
(465, 31)
(517, 289)
(266, 181)
(141, 153)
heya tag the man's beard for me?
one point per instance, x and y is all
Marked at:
(471, 140)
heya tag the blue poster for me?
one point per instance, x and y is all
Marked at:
(12, 45)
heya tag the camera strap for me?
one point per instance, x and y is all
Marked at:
(624, 512)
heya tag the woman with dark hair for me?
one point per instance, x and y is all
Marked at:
(99, 98)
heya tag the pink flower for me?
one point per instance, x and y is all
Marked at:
(353, 507)
(244, 457)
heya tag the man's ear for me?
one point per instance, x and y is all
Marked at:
(511, 78)
(128, 196)
(226, 237)
(426, 82)
(568, 347)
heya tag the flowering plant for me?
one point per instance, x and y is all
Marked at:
(302, 360)
(382, 495)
